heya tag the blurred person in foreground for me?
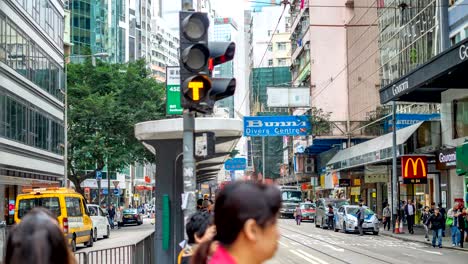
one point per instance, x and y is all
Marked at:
(38, 239)
(200, 228)
(246, 225)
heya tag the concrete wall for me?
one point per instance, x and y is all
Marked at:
(363, 60)
(328, 58)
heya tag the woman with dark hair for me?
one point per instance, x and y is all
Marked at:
(38, 239)
(246, 225)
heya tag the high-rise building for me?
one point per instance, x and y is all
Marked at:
(31, 98)
(139, 39)
(226, 29)
(164, 48)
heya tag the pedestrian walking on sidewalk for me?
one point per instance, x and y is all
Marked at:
(437, 222)
(199, 228)
(38, 239)
(402, 212)
(462, 225)
(111, 215)
(452, 221)
(360, 218)
(443, 212)
(246, 225)
(425, 220)
(410, 211)
(298, 215)
(387, 214)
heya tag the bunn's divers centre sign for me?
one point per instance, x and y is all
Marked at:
(270, 126)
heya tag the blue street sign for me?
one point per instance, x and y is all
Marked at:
(98, 175)
(116, 191)
(271, 126)
(404, 120)
(235, 164)
(104, 191)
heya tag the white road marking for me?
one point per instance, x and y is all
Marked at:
(303, 257)
(312, 257)
(295, 243)
(432, 252)
(283, 244)
(334, 248)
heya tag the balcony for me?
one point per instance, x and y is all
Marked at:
(297, 13)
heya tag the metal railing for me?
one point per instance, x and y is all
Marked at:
(139, 253)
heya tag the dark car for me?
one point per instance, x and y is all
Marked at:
(131, 216)
(321, 211)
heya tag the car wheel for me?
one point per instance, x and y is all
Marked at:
(73, 244)
(108, 232)
(95, 235)
(91, 239)
(375, 233)
(315, 221)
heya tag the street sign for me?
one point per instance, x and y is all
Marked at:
(173, 106)
(116, 191)
(270, 126)
(104, 191)
(205, 144)
(116, 183)
(98, 175)
(344, 182)
(235, 164)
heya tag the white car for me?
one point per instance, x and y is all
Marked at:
(346, 221)
(101, 226)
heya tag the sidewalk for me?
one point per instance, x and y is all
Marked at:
(418, 236)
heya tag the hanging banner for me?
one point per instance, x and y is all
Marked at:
(271, 126)
(375, 174)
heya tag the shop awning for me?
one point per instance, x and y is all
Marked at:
(371, 151)
(448, 70)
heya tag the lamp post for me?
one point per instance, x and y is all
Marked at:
(65, 112)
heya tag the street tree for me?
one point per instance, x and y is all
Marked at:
(104, 103)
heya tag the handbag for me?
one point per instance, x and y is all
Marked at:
(449, 221)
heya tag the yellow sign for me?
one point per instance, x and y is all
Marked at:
(357, 182)
(136, 195)
(322, 181)
(355, 190)
(415, 167)
(195, 86)
(374, 195)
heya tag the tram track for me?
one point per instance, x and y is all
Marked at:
(328, 254)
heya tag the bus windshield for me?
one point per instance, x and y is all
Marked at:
(291, 196)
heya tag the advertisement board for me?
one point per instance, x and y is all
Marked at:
(288, 97)
(235, 164)
(272, 126)
(173, 106)
(405, 120)
(414, 169)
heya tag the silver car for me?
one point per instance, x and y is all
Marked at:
(346, 220)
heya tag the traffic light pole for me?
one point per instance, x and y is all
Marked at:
(189, 170)
(395, 204)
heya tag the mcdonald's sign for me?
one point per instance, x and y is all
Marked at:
(414, 169)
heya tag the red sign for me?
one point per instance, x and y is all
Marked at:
(414, 169)
(87, 189)
(147, 179)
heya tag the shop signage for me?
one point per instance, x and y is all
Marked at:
(344, 182)
(414, 169)
(357, 182)
(462, 159)
(446, 159)
(463, 52)
(268, 126)
(374, 174)
(400, 88)
(355, 190)
(173, 106)
(405, 120)
(235, 164)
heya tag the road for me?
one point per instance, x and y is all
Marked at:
(306, 244)
(127, 235)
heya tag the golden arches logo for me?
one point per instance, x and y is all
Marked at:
(415, 166)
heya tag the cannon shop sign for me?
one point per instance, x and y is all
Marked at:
(269, 126)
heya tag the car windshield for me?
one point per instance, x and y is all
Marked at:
(354, 210)
(307, 206)
(130, 211)
(51, 203)
(291, 196)
(339, 203)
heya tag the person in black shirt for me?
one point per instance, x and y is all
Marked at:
(437, 222)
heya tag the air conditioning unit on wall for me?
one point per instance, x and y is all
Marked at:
(309, 164)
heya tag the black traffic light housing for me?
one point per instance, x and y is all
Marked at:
(198, 57)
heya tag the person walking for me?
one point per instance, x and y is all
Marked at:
(38, 239)
(410, 211)
(119, 217)
(387, 214)
(199, 228)
(452, 221)
(443, 212)
(360, 218)
(461, 221)
(425, 220)
(246, 220)
(437, 222)
(331, 218)
(298, 215)
(111, 215)
(402, 212)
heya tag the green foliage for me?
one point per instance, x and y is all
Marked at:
(320, 121)
(104, 104)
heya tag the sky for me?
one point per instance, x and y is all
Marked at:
(231, 8)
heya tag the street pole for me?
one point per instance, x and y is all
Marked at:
(99, 191)
(189, 169)
(108, 184)
(263, 159)
(395, 204)
(65, 129)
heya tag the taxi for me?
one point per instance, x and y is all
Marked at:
(67, 205)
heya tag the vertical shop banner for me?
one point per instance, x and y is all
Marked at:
(173, 106)
(414, 169)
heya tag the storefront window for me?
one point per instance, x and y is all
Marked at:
(460, 118)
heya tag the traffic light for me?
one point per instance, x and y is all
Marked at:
(194, 55)
(198, 57)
